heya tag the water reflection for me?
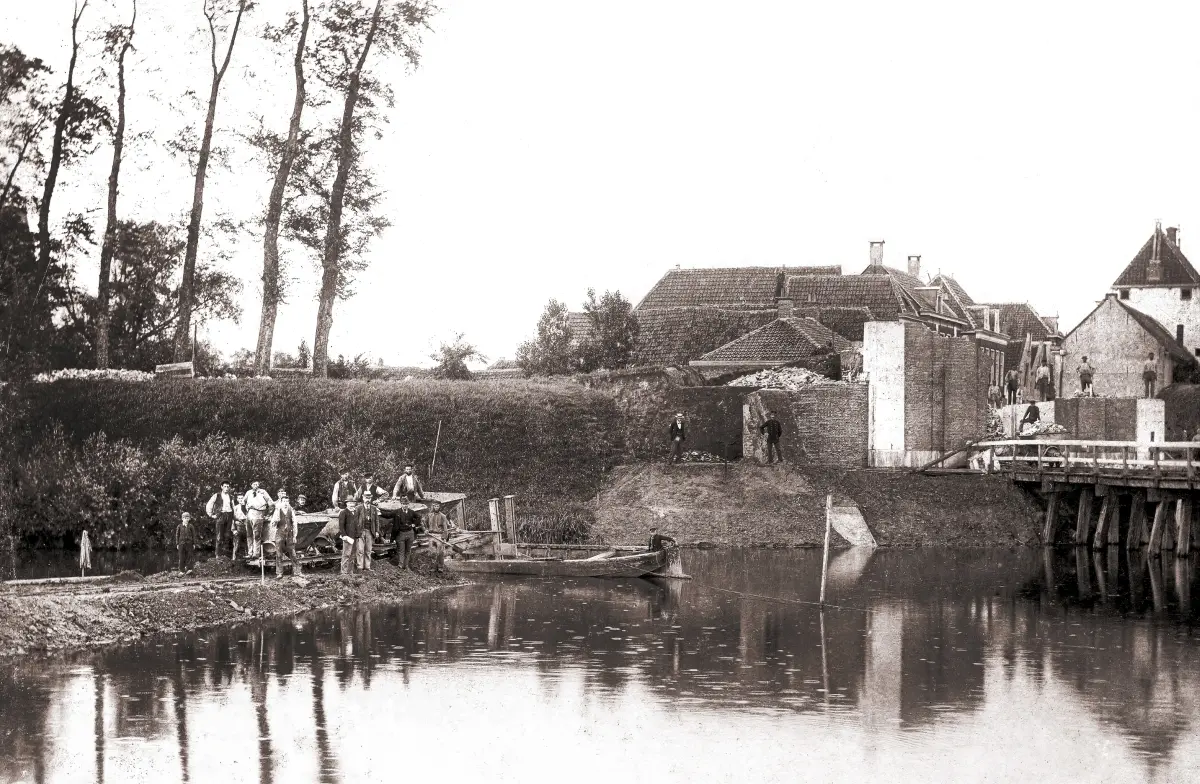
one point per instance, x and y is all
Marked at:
(1021, 664)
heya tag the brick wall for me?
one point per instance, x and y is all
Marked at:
(714, 418)
(828, 420)
(1097, 418)
(945, 390)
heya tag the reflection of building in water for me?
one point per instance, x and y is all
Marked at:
(880, 699)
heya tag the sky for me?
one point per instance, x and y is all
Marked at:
(544, 147)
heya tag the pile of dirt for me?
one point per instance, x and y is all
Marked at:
(784, 505)
(93, 615)
(791, 379)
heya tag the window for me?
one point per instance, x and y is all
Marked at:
(1198, 352)
(1124, 293)
(1185, 294)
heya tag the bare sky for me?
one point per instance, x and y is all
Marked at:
(544, 146)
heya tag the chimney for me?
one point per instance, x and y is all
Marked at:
(914, 266)
(876, 253)
(1154, 266)
(1052, 323)
(785, 307)
(1173, 235)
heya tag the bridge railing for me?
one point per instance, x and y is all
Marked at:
(1163, 458)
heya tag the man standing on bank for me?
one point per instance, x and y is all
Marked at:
(439, 525)
(773, 430)
(677, 434)
(370, 494)
(1150, 374)
(220, 508)
(404, 532)
(258, 506)
(1012, 382)
(350, 529)
(185, 542)
(285, 535)
(409, 486)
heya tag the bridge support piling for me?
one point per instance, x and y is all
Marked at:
(1159, 528)
(1108, 510)
(1137, 535)
(1051, 518)
(1183, 527)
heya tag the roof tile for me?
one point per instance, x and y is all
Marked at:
(783, 340)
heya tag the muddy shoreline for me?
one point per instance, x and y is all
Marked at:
(42, 620)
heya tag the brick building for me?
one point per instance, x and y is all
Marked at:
(1160, 282)
(1116, 338)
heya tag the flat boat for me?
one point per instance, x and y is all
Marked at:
(660, 563)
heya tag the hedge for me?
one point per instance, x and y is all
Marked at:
(127, 457)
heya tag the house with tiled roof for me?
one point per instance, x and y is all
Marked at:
(786, 340)
(1160, 282)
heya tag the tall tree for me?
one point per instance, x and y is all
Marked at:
(117, 43)
(348, 39)
(272, 293)
(213, 9)
(24, 112)
(614, 331)
(56, 154)
(551, 352)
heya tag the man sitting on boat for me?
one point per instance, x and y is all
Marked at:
(658, 541)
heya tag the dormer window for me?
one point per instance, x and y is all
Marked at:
(1124, 293)
(1185, 294)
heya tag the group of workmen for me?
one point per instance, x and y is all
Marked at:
(256, 517)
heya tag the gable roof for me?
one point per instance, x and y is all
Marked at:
(724, 287)
(1018, 319)
(675, 336)
(954, 286)
(783, 340)
(909, 284)
(1176, 269)
(1146, 322)
(878, 293)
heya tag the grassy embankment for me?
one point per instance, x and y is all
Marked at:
(123, 459)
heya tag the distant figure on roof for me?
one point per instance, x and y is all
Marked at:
(773, 431)
(677, 434)
(1085, 377)
(1150, 374)
(1012, 382)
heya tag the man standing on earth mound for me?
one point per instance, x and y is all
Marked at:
(677, 434)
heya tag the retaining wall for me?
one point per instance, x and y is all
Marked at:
(825, 424)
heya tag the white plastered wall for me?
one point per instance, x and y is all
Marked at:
(883, 362)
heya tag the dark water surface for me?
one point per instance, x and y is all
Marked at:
(984, 666)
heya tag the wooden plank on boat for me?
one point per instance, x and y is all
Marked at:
(602, 556)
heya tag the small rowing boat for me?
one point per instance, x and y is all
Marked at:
(660, 563)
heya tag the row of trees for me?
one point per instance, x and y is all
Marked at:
(156, 281)
(606, 342)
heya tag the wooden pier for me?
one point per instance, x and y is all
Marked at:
(1142, 494)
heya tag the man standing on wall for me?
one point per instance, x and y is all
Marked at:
(1012, 382)
(677, 434)
(1150, 374)
(1085, 377)
(773, 431)
(220, 508)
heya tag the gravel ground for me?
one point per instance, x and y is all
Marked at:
(41, 619)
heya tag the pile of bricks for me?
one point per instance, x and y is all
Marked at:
(792, 379)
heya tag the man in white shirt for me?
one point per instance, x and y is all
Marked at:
(343, 491)
(220, 508)
(258, 506)
(409, 486)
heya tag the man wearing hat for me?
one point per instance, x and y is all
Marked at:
(350, 528)
(773, 430)
(285, 534)
(678, 435)
(220, 508)
(258, 506)
(404, 532)
(343, 489)
(185, 542)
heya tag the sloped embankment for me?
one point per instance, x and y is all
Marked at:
(750, 504)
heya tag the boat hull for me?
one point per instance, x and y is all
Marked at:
(648, 564)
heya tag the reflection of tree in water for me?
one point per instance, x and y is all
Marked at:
(25, 695)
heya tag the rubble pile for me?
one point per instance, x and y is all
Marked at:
(1042, 429)
(791, 379)
(994, 429)
(698, 456)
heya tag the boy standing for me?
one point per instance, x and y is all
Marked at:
(185, 542)
(1085, 378)
(285, 535)
(1150, 374)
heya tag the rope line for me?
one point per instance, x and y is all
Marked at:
(779, 598)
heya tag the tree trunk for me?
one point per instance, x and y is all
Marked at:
(270, 304)
(333, 232)
(104, 314)
(60, 127)
(183, 332)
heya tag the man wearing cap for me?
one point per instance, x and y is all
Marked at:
(658, 541)
(370, 494)
(409, 486)
(185, 542)
(404, 532)
(343, 490)
(258, 507)
(285, 534)
(220, 508)
(350, 529)
(773, 431)
(678, 434)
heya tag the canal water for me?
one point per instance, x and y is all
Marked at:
(933, 665)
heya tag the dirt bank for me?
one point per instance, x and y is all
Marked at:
(45, 618)
(749, 504)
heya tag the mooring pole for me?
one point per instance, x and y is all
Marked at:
(825, 554)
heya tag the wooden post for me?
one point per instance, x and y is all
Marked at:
(1183, 527)
(1051, 518)
(510, 517)
(828, 530)
(1083, 521)
(1156, 530)
(1107, 509)
(1114, 523)
(494, 518)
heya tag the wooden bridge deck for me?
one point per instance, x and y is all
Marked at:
(1147, 490)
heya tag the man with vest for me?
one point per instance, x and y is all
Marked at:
(440, 526)
(409, 486)
(370, 494)
(350, 529)
(258, 507)
(343, 491)
(240, 528)
(677, 434)
(404, 532)
(220, 508)
(285, 535)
